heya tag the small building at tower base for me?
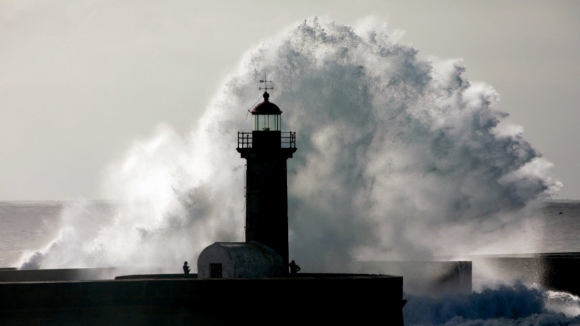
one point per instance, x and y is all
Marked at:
(239, 260)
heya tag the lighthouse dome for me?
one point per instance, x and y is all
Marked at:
(266, 107)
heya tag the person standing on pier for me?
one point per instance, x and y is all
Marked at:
(294, 268)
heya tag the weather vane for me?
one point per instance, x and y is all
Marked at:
(265, 81)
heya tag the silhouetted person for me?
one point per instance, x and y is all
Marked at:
(185, 269)
(294, 268)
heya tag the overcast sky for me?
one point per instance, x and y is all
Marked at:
(80, 80)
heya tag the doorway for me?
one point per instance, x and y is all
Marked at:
(215, 270)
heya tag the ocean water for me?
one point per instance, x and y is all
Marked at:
(560, 225)
(29, 226)
(26, 226)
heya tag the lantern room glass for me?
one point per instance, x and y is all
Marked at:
(267, 122)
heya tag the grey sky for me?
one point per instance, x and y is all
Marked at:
(80, 80)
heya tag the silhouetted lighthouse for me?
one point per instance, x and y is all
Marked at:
(266, 150)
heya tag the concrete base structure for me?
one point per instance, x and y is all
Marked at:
(555, 271)
(308, 299)
(155, 276)
(51, 275)
(431, 278)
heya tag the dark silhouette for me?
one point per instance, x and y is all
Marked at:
(185, 269)
(294, 268)
(560, 213)
(266, 150)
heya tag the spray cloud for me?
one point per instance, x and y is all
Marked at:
(397, 157)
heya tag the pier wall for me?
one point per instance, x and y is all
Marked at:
(554, 271)
(431, 278)
(307, 299)
(52, 275)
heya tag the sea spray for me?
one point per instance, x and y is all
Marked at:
(397, 157)
(562, 302)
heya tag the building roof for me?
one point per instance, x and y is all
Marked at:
(266, 107)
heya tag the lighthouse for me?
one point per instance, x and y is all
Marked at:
(266, 150)
(264, 253)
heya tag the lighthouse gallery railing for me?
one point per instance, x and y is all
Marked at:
(287, 139)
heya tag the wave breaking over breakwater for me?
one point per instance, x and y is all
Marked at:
(398, 158)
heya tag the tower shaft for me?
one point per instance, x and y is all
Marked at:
(267, 187)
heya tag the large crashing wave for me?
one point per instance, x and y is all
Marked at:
(397, 157)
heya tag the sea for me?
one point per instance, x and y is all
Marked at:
(29, 226)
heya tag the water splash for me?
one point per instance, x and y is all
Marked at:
(562, 302)
(398, 157)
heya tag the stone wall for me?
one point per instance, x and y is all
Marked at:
(556, 271)
(307, 299)
(72, 274)
(432, 278)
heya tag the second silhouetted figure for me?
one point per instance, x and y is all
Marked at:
(294, 268)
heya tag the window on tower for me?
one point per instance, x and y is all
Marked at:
(267, 122)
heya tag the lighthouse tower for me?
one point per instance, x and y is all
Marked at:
(265, 253)
(266, 150)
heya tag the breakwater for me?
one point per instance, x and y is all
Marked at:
(554, 271)
(306, 298)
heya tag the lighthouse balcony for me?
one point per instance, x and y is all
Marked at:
(266, 140)
(266, 144)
